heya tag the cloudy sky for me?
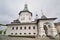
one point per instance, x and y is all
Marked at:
(9, 9)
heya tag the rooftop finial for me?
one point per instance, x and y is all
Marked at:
(42, 12)
(36, 15)
(25, 7)
(43, 16)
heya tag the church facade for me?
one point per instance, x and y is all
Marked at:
(24, 26)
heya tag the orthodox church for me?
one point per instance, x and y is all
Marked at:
(24, 26)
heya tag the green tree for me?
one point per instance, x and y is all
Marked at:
(0, 32)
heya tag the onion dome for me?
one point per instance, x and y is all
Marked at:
(25, 9)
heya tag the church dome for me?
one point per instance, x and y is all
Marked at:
(25, 10)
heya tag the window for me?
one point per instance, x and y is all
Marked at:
(11, 33)
(12, 28)
(33, 27)
(29, 27)
(24, 27)
(49, 26)
(24, 33)
(34, 33)
(16, 28)
(29, 33)
(20, 33)
(20, 27)
(15, 33)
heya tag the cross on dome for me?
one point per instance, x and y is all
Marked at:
(25, 7)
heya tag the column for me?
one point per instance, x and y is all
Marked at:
(42, 32)
(53, 31)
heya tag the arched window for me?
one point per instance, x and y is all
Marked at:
(24, 27)
(49, 25)
(29, 33)
(33, 27)
(24, 33)
(29, 27)
(34, 33)
(12, 28)
(15, 33)
(20, 27)
(20, 33)
(11, 33)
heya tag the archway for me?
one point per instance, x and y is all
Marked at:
(47, 27)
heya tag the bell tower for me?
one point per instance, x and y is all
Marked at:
(25, 15)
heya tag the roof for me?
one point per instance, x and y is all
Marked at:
(58, 23)
(47, 18)
(43, 17)
(17, 22)
(21, 24)
(25, 10)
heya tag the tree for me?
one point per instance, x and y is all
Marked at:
(1, 32)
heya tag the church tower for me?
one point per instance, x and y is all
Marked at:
(25, 15)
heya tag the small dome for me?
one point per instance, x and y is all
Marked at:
(43, 17)
(25, 10)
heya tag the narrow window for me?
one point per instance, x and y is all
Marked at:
(24, 27)
(34, 33)
(29, 33)
(20, 33)
(24, 33)
(20, 27)
(49, 26)
(11, 33)
(15, 33)
(33, 27)
(12, 28)
(29, 27)
(16, 28)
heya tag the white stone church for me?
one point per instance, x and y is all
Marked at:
(24, 26)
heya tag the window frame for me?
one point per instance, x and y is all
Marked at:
(33, 27)
(20, 28)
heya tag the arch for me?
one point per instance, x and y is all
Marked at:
(47, 27)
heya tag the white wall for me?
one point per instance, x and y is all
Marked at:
(41, 29)
(25, 15)
(27, 31)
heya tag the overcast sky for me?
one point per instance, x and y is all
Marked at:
(9, 9)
